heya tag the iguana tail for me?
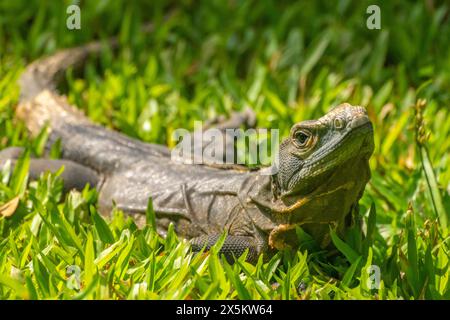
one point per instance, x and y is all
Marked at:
(44, 74)
(39, 102)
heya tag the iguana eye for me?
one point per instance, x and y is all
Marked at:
(301, 138)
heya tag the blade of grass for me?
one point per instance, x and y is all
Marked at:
(344, 248)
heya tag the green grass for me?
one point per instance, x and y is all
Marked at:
(289, 62)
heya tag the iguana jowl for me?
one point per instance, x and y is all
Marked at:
(322, 171)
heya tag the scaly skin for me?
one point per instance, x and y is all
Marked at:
(323, 169)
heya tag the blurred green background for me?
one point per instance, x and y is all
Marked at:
(289, 61)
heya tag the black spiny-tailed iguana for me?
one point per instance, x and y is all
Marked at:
(322, 171)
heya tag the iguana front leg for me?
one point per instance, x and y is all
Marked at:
(233, 247)
(75, 176)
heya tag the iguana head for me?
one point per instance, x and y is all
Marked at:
(317, 148)
(322, 172)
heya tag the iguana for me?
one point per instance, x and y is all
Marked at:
(321, 174)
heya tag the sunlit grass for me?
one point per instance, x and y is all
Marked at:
(289, 63)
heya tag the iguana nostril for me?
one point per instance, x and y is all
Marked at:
(338, 123)
(358, 121)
